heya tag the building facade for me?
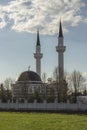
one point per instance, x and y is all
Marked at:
(28, 86)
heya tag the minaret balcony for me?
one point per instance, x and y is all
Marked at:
(60, 48)
(38, 55)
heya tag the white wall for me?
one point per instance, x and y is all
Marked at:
(43, 106)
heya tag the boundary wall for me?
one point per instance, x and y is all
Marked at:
(43, 106)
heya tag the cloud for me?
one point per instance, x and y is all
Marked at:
(2, 21)
(84, 74)
(85, 20)
(28, 15)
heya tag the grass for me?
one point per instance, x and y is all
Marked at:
(42, 121)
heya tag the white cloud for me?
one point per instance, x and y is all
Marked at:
(2, 21)
(27, 15)
(85, 20)
(84, 74)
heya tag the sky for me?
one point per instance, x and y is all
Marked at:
(19, 21)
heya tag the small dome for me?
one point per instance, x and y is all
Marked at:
(29, 76)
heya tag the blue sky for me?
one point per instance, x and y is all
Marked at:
(19, 20)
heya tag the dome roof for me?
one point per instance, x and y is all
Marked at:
(29, 76)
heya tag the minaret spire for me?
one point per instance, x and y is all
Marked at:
(60, 30)
(38, 55)
(38, 39)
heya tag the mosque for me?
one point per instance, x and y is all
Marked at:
(29, 85)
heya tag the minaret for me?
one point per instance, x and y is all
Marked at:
(60, 49)
(38, 55)
(61, 82)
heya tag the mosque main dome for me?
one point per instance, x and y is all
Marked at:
(29, 76)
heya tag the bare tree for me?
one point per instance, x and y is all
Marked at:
(3, 95)
(62, 91)
(77, 82)
(7, 83)
(8, 89)
(55, 74)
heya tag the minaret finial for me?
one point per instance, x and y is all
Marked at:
(38, 39)
(60, 29)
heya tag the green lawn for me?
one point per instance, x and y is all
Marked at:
(42, 121)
